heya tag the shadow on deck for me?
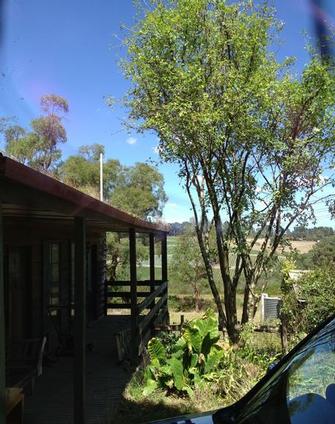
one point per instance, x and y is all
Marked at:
(52, 399)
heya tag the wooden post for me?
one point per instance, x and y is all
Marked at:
(164, 258)
(152, 262)
(165, 275)
(133, 294)
(79, 382)
(2, 326)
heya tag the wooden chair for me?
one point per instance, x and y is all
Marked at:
(25, 363)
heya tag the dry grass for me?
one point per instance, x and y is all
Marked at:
(302, 246)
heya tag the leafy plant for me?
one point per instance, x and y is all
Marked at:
(195, 358)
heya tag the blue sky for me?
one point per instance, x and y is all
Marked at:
(72, 48)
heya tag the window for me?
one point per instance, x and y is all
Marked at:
(311, 384)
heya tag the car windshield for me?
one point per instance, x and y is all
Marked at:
(303, 388)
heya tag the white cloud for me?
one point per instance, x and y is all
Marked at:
(155, 149)
(131, 140)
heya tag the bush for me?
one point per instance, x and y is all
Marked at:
(195, 358)
(308, 302)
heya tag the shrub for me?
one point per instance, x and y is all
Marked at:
(308, 302)
(195, 358)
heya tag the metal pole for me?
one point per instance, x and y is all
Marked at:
(79, 375)
(101, 178)
(2, 326)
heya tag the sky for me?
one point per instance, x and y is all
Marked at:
(73, 49)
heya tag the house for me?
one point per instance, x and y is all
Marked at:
(52, 270)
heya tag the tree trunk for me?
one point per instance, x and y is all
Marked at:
(250, 301)
(114, 262)
(196, 299)
(228, 287)
(283, 335)
(231, 314)
(245, 311)
(211, 281)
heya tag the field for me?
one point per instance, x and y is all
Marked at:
(302, 246)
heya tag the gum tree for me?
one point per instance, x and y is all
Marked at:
(253, 142)
(39, 148)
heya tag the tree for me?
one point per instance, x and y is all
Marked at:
(137, 189)
(187, 265)
(254, 144)
(141, 191)
(304, 233)
(38, 148)
(82, 171)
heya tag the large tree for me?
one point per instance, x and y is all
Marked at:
(253, 141)
(83, 172)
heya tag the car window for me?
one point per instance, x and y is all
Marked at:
(311, 383)
(302, 390)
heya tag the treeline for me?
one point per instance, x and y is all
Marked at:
(313, 234)
(298, 233)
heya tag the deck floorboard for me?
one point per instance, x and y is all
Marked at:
(52, 399)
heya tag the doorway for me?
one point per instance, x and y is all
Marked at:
(18, 292)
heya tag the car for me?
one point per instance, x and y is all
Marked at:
(299, 389)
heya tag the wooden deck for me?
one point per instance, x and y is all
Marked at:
(52, 399)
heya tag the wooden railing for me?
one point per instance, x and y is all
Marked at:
(147, 307)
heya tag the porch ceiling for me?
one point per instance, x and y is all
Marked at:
(26, 193)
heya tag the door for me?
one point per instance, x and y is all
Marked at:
(18, 288)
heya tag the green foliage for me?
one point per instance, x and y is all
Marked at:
(82, 171)
(39, 148)
(141, 191)
(194, 359)
(186, 265)
(252, 140)
(137, 189)
(179, 228)
(118, 255)
(308, 302)
(260, 355)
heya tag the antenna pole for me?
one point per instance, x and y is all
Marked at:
(101, 178)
